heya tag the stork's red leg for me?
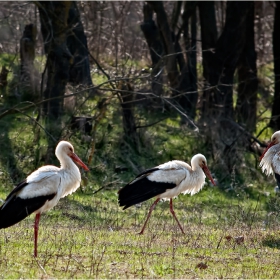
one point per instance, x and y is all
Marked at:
(173, 213)
(36, 228)
(150, 212)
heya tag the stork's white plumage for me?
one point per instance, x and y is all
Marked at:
(166, 181)
(42, 189)
(270, 159)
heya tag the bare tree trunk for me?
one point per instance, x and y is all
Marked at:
(66, 47)
(246, 109)
(54, 16)
(174, 22)
(223, 62)
(3, 79)
(163, 41)
(126, 97)
(162, 22)
(77, 45)
(275, 116)
(208, 40)
(188, 77)
(152, 36)
(27, 56)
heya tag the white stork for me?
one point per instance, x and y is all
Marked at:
(42, 189)
(270, 159)
(166, 181)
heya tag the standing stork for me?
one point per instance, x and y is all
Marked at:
(42, 189)
(270, 159)
(166, 181)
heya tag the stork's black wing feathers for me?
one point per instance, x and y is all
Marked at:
(147, 172)
(20, 186)
(16, 209)
(142, 190)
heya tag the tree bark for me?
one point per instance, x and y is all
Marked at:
(126, 98)
(188, 77)
(27, 56)
(163, 41)
(246, 108)
(224, 61)
(54, 17)
(275, 115)
(209, 36)
(54, 27)
(218, 112)
(4, 77)
(162, 22)
(66, 48)
(152, 36)
(77, 45)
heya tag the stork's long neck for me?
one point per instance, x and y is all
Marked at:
(266, 161)
(71, 176)
(195, 180)
(196, 168)
(68, 165)
(197, 173)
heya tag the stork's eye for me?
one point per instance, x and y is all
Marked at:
(71, 150)
(203, 162)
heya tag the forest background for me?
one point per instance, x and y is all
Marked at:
(133, 85)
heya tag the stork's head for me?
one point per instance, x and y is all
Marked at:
(275, 139)
(199, 160)
(64, 149)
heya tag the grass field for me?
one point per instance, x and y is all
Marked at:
(88, 236)
(232, 230)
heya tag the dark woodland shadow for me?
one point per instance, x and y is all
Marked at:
(272, 242)
(7, 154)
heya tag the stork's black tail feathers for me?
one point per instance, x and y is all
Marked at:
(16, 209)
(141, 190)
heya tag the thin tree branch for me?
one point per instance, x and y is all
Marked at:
(19, 111)
(150, 124)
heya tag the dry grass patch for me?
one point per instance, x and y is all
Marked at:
(162, 252)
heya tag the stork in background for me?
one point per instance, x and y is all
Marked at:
(165, 182)
(270, 159)
(42, 189)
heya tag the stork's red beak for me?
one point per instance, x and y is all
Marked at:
(78, 161)
(208, 174)
(269, 145)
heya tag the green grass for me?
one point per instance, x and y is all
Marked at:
(96, 239)
(87, 235)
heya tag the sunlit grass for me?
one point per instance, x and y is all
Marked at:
(104, 248)
(87, 235)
